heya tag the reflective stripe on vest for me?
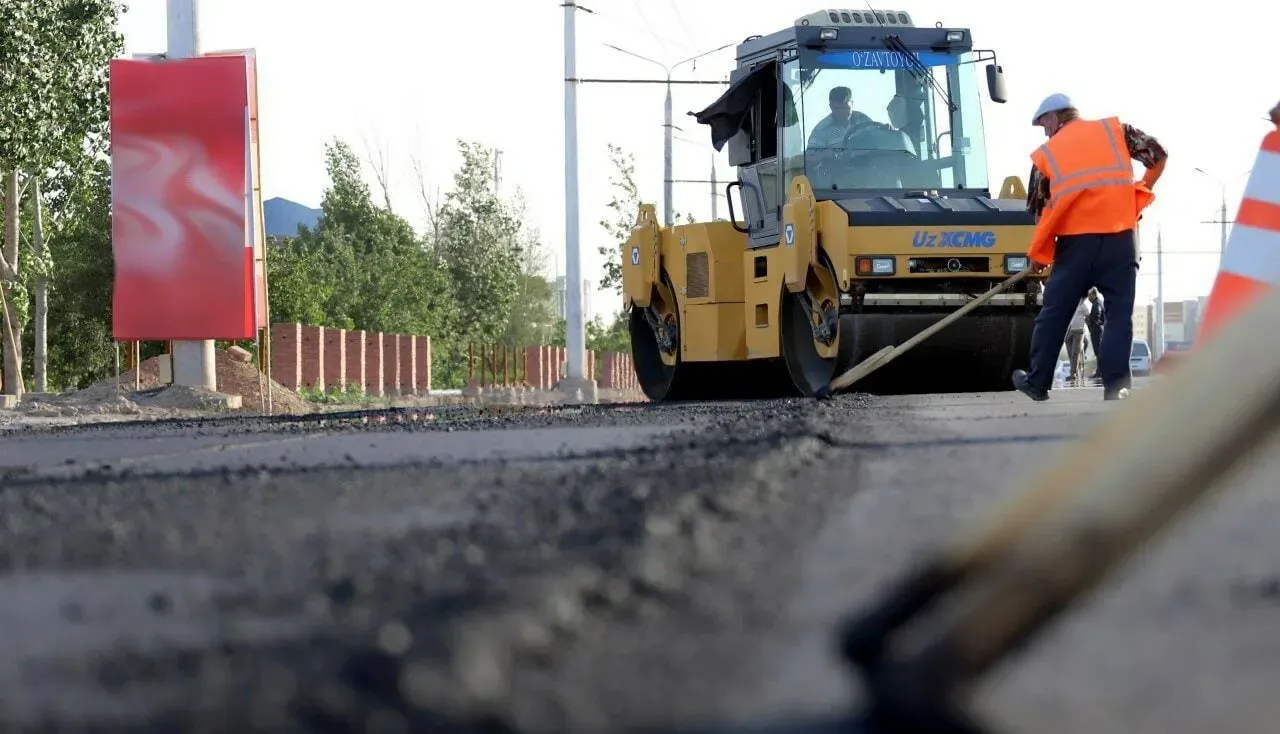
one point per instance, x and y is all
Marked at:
(1251, 263)
(1115, 171)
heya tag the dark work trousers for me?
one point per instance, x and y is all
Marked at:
(1108, 262)
(1095, 339)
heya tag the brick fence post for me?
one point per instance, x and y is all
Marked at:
(373, 359)
(408, 364)
(606, 370)
(335, 358)
(313, 357)
(286, 354)
(533, 367)
(422, 366)
(391, 364)
(355, 357)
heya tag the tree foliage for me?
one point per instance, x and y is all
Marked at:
(53, 82)
(479, 240)
(53, 90)
(624, 207)
(362, 267)
(475, 278)
(81, 347)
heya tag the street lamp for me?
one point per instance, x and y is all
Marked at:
(1222, 211)
(667, 208)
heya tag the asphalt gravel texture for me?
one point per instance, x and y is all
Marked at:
(600, 569)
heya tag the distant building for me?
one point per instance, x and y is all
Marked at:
(1142, 322)
(1181, 323)
(562, 294)
(282, 217)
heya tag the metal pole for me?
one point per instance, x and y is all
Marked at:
(714, 192)
(575, 336)
(668, 208)
(1222, 240)
(194, 363)
(1158, 346)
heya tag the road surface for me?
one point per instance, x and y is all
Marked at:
(597, 569)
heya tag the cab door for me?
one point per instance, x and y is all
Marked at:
(762, 184)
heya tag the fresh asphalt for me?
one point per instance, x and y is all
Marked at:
(590, 569)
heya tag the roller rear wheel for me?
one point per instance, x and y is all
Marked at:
(811, 331)
(665, 377)
(808, 369)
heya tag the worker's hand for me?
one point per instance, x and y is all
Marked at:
(1036, 268)
(1275, 115)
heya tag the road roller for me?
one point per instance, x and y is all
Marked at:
(866, 215)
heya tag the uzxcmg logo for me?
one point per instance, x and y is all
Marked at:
(953, 239)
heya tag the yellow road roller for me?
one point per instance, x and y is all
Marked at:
(866, 216)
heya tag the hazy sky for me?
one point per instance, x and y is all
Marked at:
(414, 75)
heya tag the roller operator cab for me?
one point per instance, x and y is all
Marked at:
(864, 214)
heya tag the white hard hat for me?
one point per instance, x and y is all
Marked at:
(1053, 103)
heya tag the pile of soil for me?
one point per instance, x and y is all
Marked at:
(234, 378)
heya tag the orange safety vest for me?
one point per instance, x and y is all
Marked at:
(1251, 263)
(1091, 186)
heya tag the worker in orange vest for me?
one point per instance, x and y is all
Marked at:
(1087, 206)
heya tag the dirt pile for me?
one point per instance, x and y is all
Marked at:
(55, 405)
(135, 393)
(239, 378)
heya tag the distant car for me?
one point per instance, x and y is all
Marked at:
(1140, 358)
(1060, 375)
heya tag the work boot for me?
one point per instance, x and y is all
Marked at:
(1117, 393)
(1021, 384)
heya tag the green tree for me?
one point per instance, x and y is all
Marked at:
(301, 282)
(613, 336)
(533, 320)
(362, 267)
(624, 206)
(480, 241)
(601, 336)
(80, 338)
(54, 95)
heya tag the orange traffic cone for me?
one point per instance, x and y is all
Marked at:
(1251, 264)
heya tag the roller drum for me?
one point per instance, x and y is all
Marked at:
(976, 354)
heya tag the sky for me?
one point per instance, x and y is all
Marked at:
(409, 77)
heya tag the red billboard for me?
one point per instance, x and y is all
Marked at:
(180, 187)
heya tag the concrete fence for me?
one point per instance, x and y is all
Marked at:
(389, 365)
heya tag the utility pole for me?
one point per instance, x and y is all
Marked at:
(668, 125)
(194, 362)
(575, 326)
(1158, 346)
(1222, 221)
